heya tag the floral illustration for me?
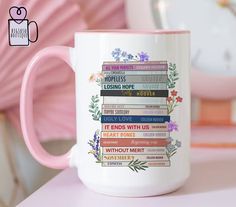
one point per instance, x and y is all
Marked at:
(95, 145)
(173, 75)
(137, 165)
(173, 100)
(94, 109)
(120, 55)
(172, 126)
(96, 113)
(172, 147)
(96, 77)
(143, 57)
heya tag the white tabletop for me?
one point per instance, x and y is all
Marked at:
(212, 184)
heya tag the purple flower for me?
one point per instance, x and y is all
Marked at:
(95, 137)
(143, 57)
(172, 126)
(116, 54)
(95, 145)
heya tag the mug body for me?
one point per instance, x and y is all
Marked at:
(132, 110)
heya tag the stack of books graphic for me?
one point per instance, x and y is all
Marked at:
(134, 113)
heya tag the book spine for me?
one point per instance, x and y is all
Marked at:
(134, 100)
(162, 127)
(128, 158)
(146, 112)
(133, 106)
(138, 86)
(134, 79)
(135, 93)
(129, 134)
(165, 163)
(134, 119)
(133, 150)
(137, 72)
(134, 67)
(127, 142)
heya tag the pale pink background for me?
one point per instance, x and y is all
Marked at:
(54, 105)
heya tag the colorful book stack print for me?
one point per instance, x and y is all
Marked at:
(134, 109)
(134, 114)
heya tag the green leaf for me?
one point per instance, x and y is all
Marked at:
(172, 76)
(92, 105)
(173, 153)
(91, 141)
(94, 108)
(91, 152)
(136, 161)
(130, 162)
(135, 169)
(131, 167)
(136, 165)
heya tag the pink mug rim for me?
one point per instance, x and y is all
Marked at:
(128, 31)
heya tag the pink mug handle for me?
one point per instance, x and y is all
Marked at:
(26, 109)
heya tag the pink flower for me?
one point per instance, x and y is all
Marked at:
(169, 99)
(100, 75)
(179, 99)
(174, 93)
(96, 76)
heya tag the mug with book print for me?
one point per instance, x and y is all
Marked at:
(132, 110)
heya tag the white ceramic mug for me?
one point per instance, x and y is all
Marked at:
(133, 111)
